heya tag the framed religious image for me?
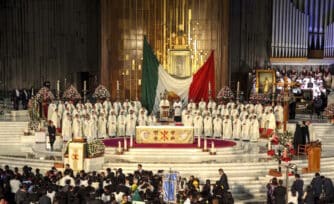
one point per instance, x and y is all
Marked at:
(265, 79)
(179, 63)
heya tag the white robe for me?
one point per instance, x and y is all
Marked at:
(102, 127)
(121, 125)
(207, 126)
(112, 125)
(201, 105)
(217, 127)
(142, 120)
(66, 130)
(245, 129)
(254, 130)
(227, 129)
(272, 121)
(51, 109)
(236, 128)
(198, 126)
(188, 120)
(92, 130)
(77, 128)
(130, 127)
(151, 120)
(86, 128)
(55, 119)
(279, 113)
(264, 120)
(258, 109)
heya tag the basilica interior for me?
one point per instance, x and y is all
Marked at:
(166, 101)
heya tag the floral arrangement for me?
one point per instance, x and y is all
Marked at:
(259, 97)
(71, 93)
(225, 93)
(44, 94)
(101, 92)
(285, 146)
(329, 110)
(95, 148)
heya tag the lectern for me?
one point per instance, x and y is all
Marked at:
(313, 151)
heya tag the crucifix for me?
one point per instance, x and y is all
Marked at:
(286, 85)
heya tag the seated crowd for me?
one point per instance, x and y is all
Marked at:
(110, 186)
(226, 121)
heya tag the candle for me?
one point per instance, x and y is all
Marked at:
(238, 87)
(125, 144)
(117, 85)
(199, 142)
(205, 145)
(32, 91)
(139, 67)
(127, 72)
(65, 83)
(119, 146)
(209, 86)
(212, 147)
(58, 85)
(139, 82)
(131, 141)
(269, 144)
(85, 85)
(274, 88)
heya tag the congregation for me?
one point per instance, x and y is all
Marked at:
(239, 121)
(111, 186)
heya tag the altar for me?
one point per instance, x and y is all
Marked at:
(167, 134)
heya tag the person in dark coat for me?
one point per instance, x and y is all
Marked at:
(299, 138)
(206, 191)
(318, 105)
(305, 132)
(316, 185)
(52, 134)
(223, 181)
(44, 199)
(16, 98)
(280, 193)
(309, 196)
(21, 195)
(297, 186)
(25, 98)
(328, 189)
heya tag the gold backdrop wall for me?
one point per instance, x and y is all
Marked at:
(196, 25)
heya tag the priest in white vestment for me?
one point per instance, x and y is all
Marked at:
(121, 125)
(56, 118)
(254, 130)
(77, 127)
(92, 129)
(211, 104)
(151, 120)
(245, 128)
(51, 108)
(66, 130)
(117, 106)
(198, 125)
(130, 126)
(188, 120)
(271, 120)
(217, 127)
(177, 106)
(279, 112)
(227, 128)
(86, 127)
(102, 126)
(201, 105)
(112, 124)
(258, 108)
(236, 128)
(142, 120)
(207, 123)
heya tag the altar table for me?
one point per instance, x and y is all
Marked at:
(164, 134)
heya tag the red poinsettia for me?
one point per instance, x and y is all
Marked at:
(271, 152)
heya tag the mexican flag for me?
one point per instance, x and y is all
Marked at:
(155, 81)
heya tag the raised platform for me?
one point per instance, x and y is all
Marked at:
(219, 143)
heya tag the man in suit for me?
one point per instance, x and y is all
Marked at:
(44, 199)
(52, 133)
(223, 181)
(316, 184)
(16, 98)
(297, 186)
(280, 193)
(25, 98)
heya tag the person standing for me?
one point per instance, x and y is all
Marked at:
(297, 186)
(112, 124)
(52, 133)
(316, 184)
(67, 128)
(217, 127)
(207, 122)
(177, 110)
(198, 125)
(25, 98)
(280, 193)
(227, 128)
(16, 98)
(223, 181)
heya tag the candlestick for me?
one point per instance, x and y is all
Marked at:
(212, 147)
(131, 141)
(32, 91)
(65, 83)
(205, 145)
(58, 85)
(199, 142)
(85, 85)
(117, 85)
(209, 86)
(125, 144)
(139, 82)
(238, 87)
(119, 147)
(139, 67)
